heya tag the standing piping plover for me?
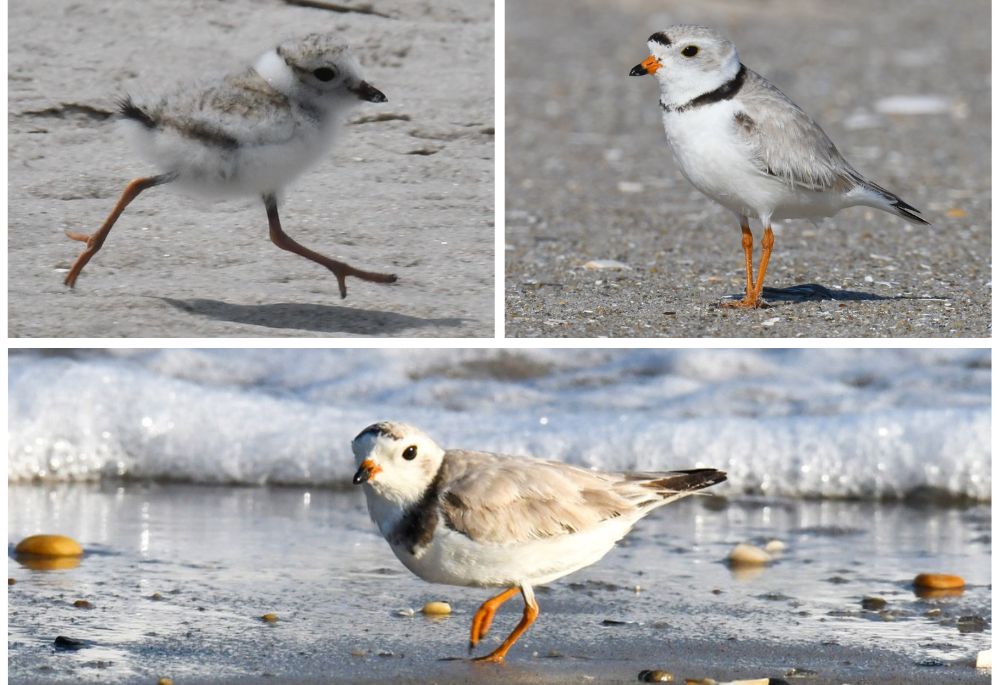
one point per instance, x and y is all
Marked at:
(488, 520)
(743, 143)
(249, 134)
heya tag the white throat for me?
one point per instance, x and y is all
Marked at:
(682, 85)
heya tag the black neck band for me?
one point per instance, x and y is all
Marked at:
(726, 91)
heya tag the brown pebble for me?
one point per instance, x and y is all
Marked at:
(269, 618)
(49, 546)
(156, 597)
(83, 604)
(436, 609)
(165, 681)
(656, 676)
(938, 581)
(748, 555)
(11, 581)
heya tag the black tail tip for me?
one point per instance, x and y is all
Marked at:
(910, 213)
(130, 110)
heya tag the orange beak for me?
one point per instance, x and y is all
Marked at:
(647, 66)
(366, 472)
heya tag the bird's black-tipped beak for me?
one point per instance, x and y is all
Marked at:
(366, 472)
(648, 66)
(367, 91)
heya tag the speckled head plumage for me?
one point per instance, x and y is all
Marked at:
(317, 69)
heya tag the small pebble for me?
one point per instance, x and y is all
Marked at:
(656, 677)
(165, 681)
(269, 618)
(801, 673)
(406, 613)
(156, 597)
(748, 555)
(938, 581)
(873, 603)
(985, 659)
(11, 581)
(63, 642)
(436, 609)
(971, 624)
(774, 547)
(358, 652)
(83, 604)
(49, 546)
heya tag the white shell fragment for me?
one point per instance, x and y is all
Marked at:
(774, 547)
(604, 264)
(985, 659)
(913, 104)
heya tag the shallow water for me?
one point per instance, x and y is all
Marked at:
(178, 576)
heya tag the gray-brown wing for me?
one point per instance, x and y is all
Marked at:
(499, 499)
(242, 109)
(787, 143)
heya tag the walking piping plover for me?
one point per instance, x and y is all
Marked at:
(488, 520)
(248, 134)
(743, 143)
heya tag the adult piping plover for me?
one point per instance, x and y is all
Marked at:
(248, 134)
(488, 520)
(742, 142)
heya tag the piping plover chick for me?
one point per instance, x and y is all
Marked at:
(250, 133)
(488, 520)
(743, 143)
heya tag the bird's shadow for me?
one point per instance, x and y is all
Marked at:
(814, 292)
(319, 318)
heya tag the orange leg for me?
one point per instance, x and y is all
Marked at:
(483, 619)
(96, 240)
(752, 299)
(339, 269)
(748, 252)
(530, 614)
(765, 255)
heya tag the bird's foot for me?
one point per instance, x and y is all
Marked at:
(344, 270)
(748, 302)
(491, 658)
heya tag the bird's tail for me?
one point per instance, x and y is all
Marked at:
(891, 202)
(673, 485)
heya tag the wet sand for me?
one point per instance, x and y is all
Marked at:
(590, 176)
(178, 577)
(407, 189)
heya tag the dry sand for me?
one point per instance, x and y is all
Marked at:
(578, 126)
(411, 194)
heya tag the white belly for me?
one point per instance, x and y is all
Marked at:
(453, 559)
(716, 161)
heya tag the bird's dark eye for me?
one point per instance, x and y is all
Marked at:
(325, 73)
(410, 453)
(690, 50)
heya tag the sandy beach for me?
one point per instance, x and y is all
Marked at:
(590, 176)
(408, 188)
(178, 576)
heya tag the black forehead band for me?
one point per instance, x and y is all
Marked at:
(661, 38)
